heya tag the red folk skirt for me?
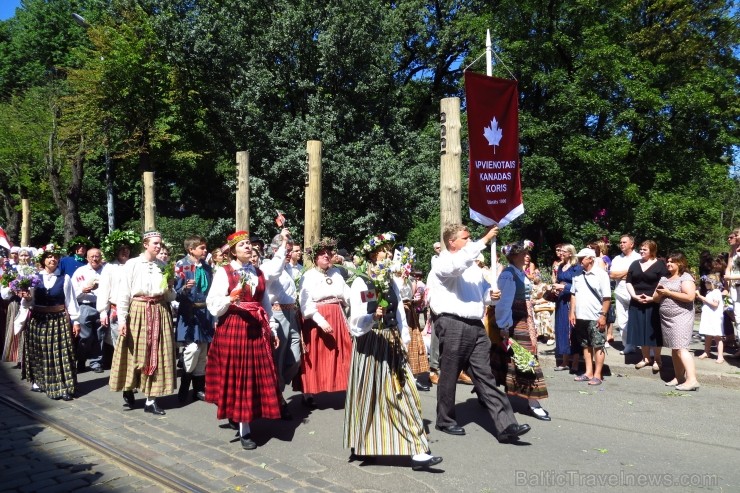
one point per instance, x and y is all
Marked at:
(325, 366)
(240, 372)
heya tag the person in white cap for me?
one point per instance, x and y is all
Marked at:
(591, 296)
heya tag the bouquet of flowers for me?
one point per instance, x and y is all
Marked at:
(24, 283)
(8, 274)
(403, 261)
(380, 276)
(524, 361)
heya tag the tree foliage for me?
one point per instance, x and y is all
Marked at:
(628, 112)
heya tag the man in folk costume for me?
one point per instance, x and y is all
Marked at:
(117, 247)
(145, 354)
(281, 290)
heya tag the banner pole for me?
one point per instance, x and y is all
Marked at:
(489, 73)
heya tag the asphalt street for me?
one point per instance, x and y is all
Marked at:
(629, 434)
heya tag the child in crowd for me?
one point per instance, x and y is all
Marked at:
(711, 317)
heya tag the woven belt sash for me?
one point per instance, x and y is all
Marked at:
(48, 309)
(199, 305)
(152, 332)
(281, 307)
(256, 309)
(329, 301)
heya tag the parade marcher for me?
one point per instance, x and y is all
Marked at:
(144, 357)
(459, 304)
(49, 361)
(117, 248)
(194, 322)
(294, 267)
(282, 292)
(515, 318)
(13, 343)
(325, 334)
(240, 371)
(591, 296)
(413, 339)
(382, 413)
(86, 281)
(77, 250)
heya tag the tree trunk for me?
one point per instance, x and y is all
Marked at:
(72, 220)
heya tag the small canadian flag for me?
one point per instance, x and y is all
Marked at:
(367, 296)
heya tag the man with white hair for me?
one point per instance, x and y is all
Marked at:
(85, 282)
(281, 289)
(590, 297)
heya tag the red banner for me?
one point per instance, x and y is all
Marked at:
(494, 184)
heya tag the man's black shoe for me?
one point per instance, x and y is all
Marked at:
(452, 430)
(418, 465)
(154, 409)
(422, 387)
(128, 397)
(513, 432)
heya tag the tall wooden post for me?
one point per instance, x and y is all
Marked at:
(150, 207)
(26, 222)
(449, 170)
(312, 224)
(242, 191)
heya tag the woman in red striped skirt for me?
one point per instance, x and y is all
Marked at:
(325, 334)
(240, 373)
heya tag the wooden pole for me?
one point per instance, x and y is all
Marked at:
(312, 224)
(242, 191)
(26, 222)
(449, 172)
(150, 207)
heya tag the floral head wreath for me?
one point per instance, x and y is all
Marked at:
(323, 244)
(76, 242)
(372, 243)
(711, 279)
(516, 248)
(117, 239)
(47, 251)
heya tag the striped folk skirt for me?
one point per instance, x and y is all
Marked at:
(325, 366)
(240, 371)
(49, 354)
(12, 348)
(130, 356)
(526, 385)
(417, 350)
(382, 413)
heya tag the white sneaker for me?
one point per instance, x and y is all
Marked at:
(550, 342)
(607, 345)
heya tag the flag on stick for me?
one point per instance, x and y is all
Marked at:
(494, 184)
(4, 240)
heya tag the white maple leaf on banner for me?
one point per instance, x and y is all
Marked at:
(493, 134)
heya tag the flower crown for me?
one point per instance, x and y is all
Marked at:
(116, 239)
(324, 243)
(516, 248)
(371, 243)
(78, 241)
(50, 249)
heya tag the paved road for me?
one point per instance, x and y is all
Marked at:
(629, 431)
(37, 458)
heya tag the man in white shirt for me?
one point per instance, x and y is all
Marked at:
(281, 289)
(618, 272)
(590, 297)
(294, 266)
(460, 295)
(85, 282)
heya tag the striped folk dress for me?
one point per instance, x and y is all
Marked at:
(382, 411)
(130, 356)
